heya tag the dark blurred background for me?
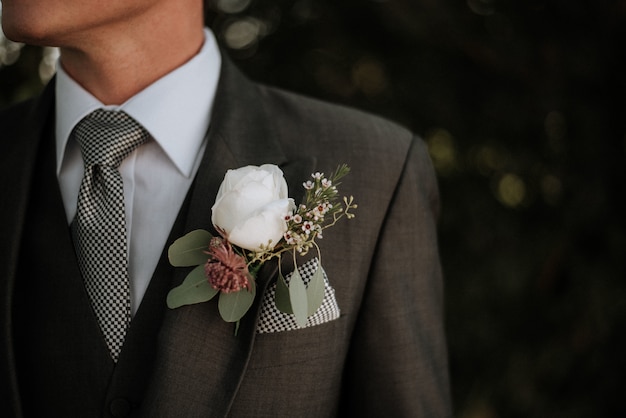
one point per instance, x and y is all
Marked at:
(522, 106)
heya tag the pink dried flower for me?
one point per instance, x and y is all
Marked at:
(226, 270)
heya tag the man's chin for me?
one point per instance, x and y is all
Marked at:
(25, 33)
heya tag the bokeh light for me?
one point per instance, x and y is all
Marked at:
(489, 159)
(243, 33)
(369, 76)
(48, 63)
(511, 190)
(442, 150)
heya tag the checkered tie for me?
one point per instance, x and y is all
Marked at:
(105, 137)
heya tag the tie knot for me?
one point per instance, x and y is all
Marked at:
(106, 137)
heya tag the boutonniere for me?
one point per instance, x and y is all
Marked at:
(256, 222)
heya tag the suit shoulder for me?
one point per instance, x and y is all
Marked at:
(334, 122)
(378, 151)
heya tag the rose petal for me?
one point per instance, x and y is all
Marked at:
(237, 205)
(249, 196)
(265, 225)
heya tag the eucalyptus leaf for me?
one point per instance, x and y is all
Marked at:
(315, 291)
(233, 306)
(282, 301)
(189, 250)
(194, 289)
(297, 294)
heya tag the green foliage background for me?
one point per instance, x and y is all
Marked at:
(522, 105)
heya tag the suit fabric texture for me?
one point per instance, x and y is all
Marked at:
(383, 356)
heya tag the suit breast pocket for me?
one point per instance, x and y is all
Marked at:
(272, 320)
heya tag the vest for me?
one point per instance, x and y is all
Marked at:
(63, 365)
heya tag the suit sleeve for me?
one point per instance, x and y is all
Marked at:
(397, 364)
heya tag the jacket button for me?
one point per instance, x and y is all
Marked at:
(119, 407)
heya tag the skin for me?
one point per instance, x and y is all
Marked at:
(115, 48)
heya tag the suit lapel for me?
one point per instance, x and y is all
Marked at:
(195, 344)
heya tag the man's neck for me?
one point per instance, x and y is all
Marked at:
(116, 64)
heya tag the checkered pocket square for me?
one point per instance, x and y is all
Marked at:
(273, 320)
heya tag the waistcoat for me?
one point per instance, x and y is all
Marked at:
(63, 366)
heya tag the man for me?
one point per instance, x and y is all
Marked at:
(385, 354)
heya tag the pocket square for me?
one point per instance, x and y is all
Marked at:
(273, 320)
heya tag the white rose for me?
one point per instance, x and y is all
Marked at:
(251, 206)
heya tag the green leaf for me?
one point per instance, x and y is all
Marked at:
(297, 294)
(282, 301)
(315, 291)
(189, 250)
(233, 306)
(194, 289)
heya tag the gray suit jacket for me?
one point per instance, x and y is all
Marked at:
(384, 356)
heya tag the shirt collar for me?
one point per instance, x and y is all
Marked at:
(175, 110)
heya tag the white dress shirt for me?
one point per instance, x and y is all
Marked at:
(176, 111)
